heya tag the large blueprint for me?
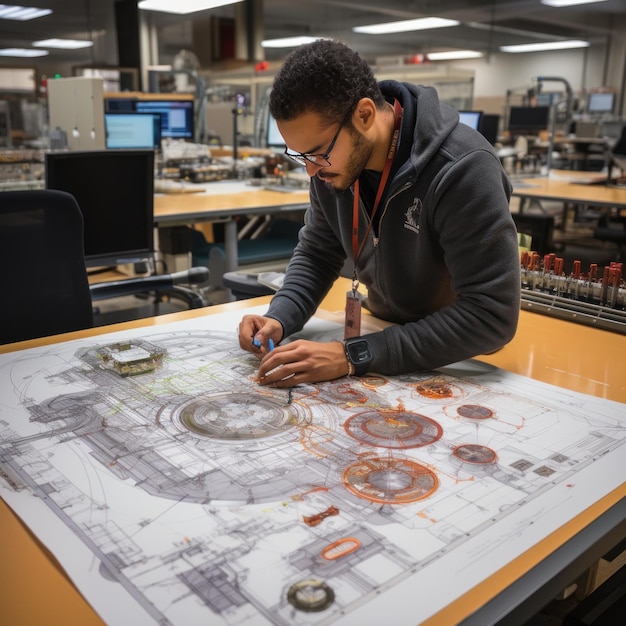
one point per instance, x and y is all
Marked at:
(175, 490)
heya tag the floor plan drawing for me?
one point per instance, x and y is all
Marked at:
(175, 490)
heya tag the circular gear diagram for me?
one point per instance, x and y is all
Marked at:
(437, 389)
(393, 429)
(233, 416)
(389, 481)
(474, 411)
(310, 595)
(475, 453)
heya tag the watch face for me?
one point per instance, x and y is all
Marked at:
(359, 352)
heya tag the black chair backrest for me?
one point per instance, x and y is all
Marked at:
(45, 290)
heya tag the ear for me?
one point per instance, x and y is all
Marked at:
(364, 114)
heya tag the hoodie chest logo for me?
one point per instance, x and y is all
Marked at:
(412, 216)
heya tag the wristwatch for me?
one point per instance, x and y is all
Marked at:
(359, 354)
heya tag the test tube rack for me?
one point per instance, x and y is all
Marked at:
(595, 298)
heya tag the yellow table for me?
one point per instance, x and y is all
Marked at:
(36, 591)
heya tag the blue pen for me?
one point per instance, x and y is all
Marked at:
(271, 344)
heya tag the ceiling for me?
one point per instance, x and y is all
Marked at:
(485, 25)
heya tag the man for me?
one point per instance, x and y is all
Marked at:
(418, 200)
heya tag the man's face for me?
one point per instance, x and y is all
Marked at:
(308, 135)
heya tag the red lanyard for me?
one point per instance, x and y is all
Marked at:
(356, 247)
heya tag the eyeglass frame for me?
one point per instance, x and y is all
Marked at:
(304, 157)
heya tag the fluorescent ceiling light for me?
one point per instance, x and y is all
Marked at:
(13, 12)
(448, 55)
(22, 52)
(182, 7)
(568, 3)
(423, 23)
(65, 44)
(288, 42)
(550, 45)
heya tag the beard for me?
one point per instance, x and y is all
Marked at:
(361, 150)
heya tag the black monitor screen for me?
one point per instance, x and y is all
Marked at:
(176, 116)
(470, 118)
(132, 130)
(118, 105)
(273, 137)
(600, 102)
(115, 192)
(489, 127)
(529, 119)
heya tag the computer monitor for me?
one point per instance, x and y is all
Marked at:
(273, 137)
(600, 102)
(528, 120)
(470, 118)
(115, 192)
(132, 130)
(177, 116)
(119, 105)
(489, 126)
(548, 98)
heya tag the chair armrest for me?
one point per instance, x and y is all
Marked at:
(159, 282)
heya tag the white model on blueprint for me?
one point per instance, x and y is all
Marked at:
(201, 498)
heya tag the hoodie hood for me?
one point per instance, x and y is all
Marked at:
(421, 135)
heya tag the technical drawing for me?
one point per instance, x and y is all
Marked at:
(210, 499)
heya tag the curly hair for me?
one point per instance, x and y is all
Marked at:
(324, 76)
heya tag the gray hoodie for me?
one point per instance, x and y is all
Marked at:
(445, 266)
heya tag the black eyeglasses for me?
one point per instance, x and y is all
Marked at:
(321, 160)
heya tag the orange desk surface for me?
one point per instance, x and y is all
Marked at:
(34, 589)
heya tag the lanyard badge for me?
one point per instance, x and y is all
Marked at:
(352, 327)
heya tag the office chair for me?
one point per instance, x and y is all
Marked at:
(274, 246)
(44, 283)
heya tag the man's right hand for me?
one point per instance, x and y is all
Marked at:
(259, 335)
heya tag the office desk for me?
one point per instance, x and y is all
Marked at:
(554, 189)
(582, 177)
(574, 140)
(236, 200)
(578, 149)
(36, 591)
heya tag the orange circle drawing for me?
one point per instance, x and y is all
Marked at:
(389, 481)
(474, 411)
(474, 453)
(393, 429)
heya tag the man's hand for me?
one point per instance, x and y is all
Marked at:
(258, 334)
(297, 362)
(303, 362)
